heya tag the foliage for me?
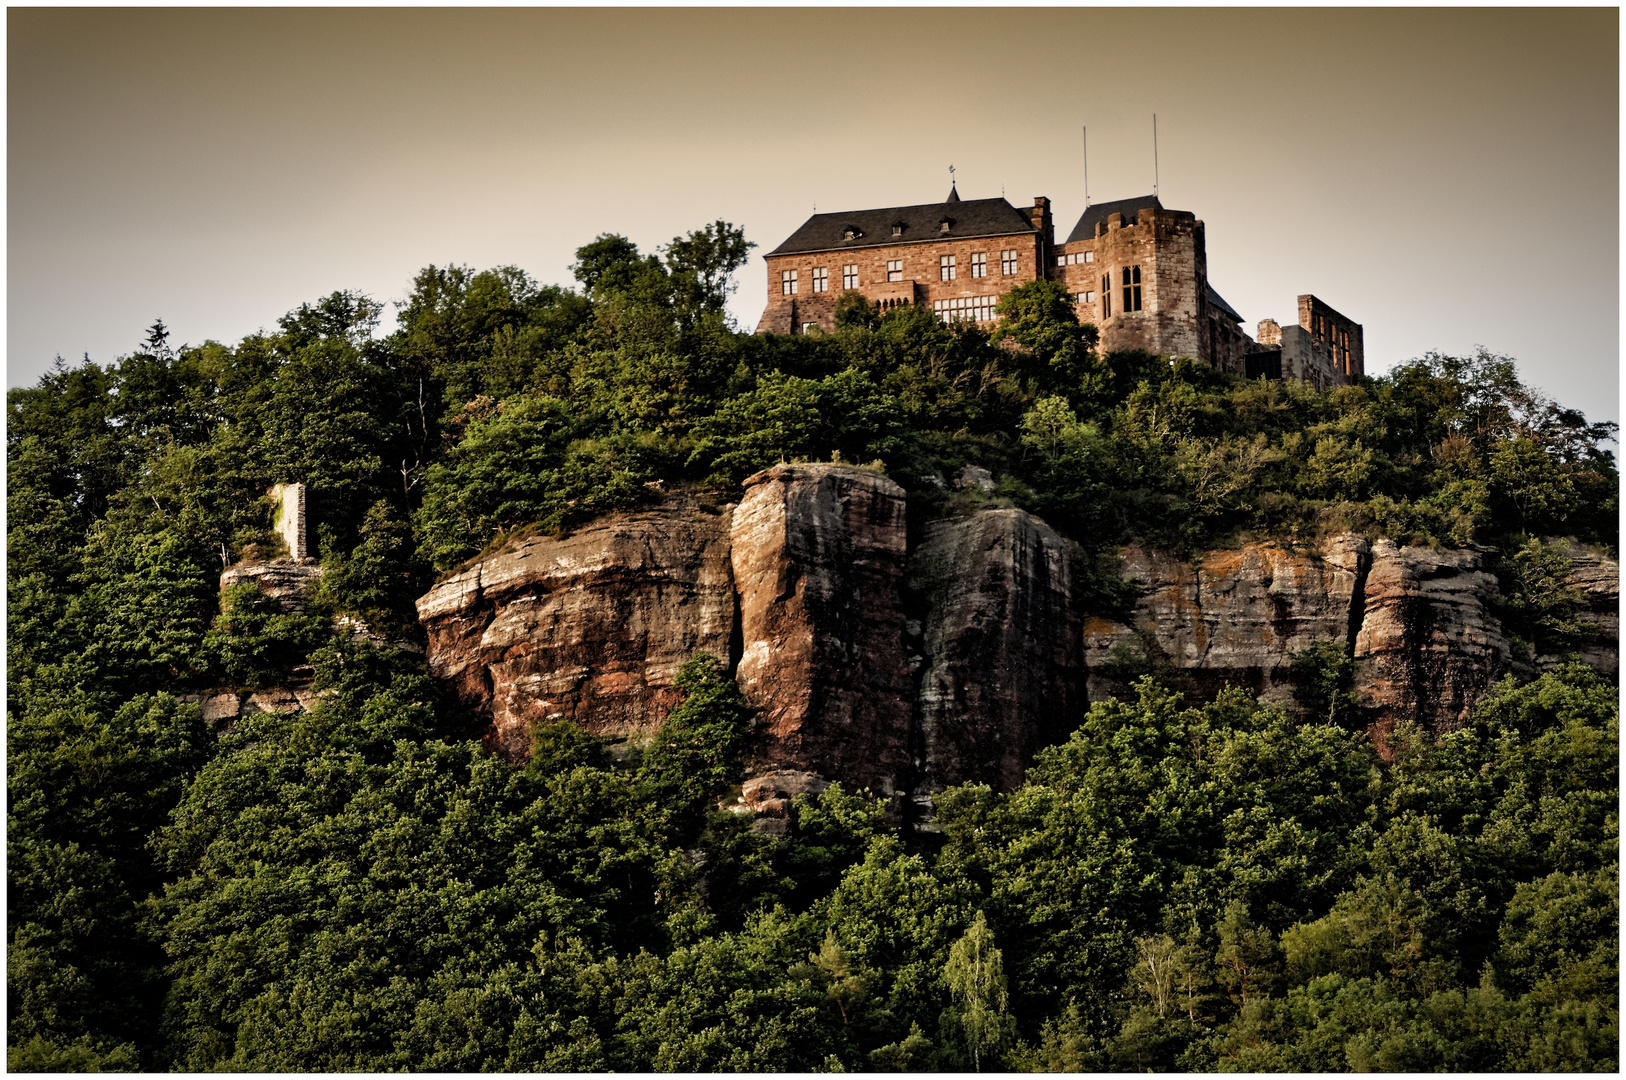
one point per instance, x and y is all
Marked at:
(363, 886)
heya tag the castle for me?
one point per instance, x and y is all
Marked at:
(1136, 270)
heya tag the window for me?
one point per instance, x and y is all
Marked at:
(849, 276)
(1061, 260)
(821, 279)
(979, 264)
(966, 308)
(1089, 256)
(945, 267)
(1088, 297)
(787, 283)
(1007, 263)
(894, 270)
(1106, 296)
(1131, 280)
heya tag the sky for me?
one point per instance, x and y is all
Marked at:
(1449, 178)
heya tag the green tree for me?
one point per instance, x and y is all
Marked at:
(975, 974)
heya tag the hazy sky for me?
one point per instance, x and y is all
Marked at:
(1449, 178)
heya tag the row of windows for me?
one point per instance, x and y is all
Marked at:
(947, 268)
(1075, 258)
(974, 308)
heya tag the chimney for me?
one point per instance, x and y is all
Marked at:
(1047, 232)
(1270, 332)
(1041, 218)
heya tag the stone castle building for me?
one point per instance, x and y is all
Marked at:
(1136, 270)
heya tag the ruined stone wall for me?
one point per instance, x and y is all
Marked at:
(1336, 344)
(288, 518)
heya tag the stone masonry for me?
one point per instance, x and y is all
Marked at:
(1135, 269)
(289, 518)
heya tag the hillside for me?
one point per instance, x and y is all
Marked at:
(1259, 846)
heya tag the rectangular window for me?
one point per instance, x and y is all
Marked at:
(1089, 297)
(1061, 260)
(966, 308)
(894, 270)
(1131, 284)
(945, 267)
(821, 279)
(787, 282)
(1089, 256)
(849, 276)
(979, 264)
(1106, 297)
(1007, 263)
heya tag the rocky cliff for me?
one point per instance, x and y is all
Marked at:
(591, 627)
(818, 559)
(906, 667)
(1000, 664)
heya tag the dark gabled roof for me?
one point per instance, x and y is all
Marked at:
(1085, 229)
(967, 218)
(1215, 300)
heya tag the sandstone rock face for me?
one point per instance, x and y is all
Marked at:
(818, 557)
(1597, 578)
(1234, 617)
(591, 627)
(1427, 648)
(1002, 664)
(286, 579)
(908, 671)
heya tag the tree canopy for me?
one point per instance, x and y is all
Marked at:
(1191, 886)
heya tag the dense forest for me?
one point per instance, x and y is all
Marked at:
(1226, 885)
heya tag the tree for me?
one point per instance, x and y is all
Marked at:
(701, 263)
(1038, 317)
(975, 974)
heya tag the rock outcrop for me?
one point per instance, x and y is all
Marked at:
(288, 580)
(1233, 617)
(1428, 647)
(907, 670)
(1001, 660)
(818, 556)
(591, 627)
(1596, 577)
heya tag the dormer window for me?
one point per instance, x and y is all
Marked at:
(851, 233)
(943, 226)
(897, 228)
